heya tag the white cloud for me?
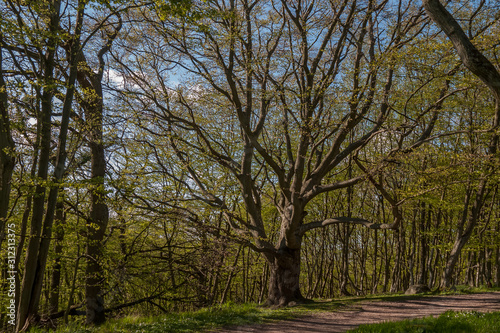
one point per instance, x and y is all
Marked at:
(116, 78)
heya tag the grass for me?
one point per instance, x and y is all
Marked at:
(231, 314)
(448, 322)
(204, 319)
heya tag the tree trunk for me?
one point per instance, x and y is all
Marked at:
(424, 217)
(95, 235)
(460, 240)
(497, 259)
(232, 273)
(99, 213)
(347, 230)
(43, 214)
(463, 235)
(284, 286)
(263, 282)
(93, 106)
(7, 159)
(58, 251)
(397, 273)
(387, 263)
(26, 307)
(497, 266)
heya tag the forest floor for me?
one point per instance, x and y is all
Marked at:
(376, 311)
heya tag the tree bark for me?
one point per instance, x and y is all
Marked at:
(58, 250)
(471, 57)
(93, 106)
(26, 307)
(7, 159)
(464, 232)
(424, 217)
(284, 288)
(97, 224)
(43, 215)
(99, 213)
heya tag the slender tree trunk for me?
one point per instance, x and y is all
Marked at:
(413, 248)
(27, 297)
(24, 226)
(497, 256)
(470, 270)
(376, 273)
(460, 241)
(320, 266)
(480, 266)
(433, 259)
(497, 266)
(232, 273)
(93, 106)
(7, 159)
(96, 227)
(424, 217)
(7, 164)
(387, 263)
(344, 281)
(43, 215)
(463, 234)
(263, 282)
(397, 274)
(56, 271)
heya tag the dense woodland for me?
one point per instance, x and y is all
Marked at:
(165, 155)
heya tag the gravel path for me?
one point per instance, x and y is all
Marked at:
(368, 312)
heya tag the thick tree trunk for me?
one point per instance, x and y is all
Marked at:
(284, 282)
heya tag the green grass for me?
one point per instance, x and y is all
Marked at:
(204, 319)
(448, 322)
(468, 290)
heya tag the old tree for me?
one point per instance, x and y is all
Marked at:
(169, 155)
(285, 101)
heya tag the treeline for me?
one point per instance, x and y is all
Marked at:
(172, 155)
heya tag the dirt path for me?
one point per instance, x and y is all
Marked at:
(368, 312)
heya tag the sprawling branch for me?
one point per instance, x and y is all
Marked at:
(343, 219)
(472, 58)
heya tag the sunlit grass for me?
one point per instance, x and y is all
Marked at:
(204, 319)
(448, 322)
